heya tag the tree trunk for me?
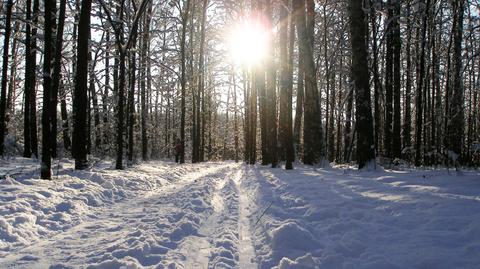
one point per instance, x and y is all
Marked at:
(457, 114)
(365, 146)
(314, 151)
(49, 19)
(29, 90)
(3, 97)
(271, 95)
(389, 81)
(13, 70)
(57, 76)
(396, 40)
(183, 79)
(105, 111)
(201, 85)
(376, 78)
(407, 123)
(131, 101)
(285, 131)
(144, 60)
(79, 139)
(419, 94)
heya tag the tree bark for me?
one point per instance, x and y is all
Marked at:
(27, 151)
(49, 19)
(271, 95)
(419, 94)
(183, 79)
(396, 39)
(314, 151)
(457, 114)
(285, 131)
(57, 75)
(79, 139)
(3, 97)
(365, 146)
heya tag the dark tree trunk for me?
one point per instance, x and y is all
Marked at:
(57, 76)
(389, 81)
(145, 47)
(49, 18)
(201, 87)
(297, 128)
(105, 111)
(29, 91)
(94, 97)
(80, 99)
(313, 150)
(364, 127)
(183, 79)
(131, 100)
(376, 78)
(419, 95)
(285, 131)
(396, 40)
(12, 80)
(256, 80)
(457, 114)
(3, 97)
(407, 123)
(120, 114)
(235, 120)
(271, 96)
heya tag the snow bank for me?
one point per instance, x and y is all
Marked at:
(31, 209)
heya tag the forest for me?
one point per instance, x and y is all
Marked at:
(362, 82)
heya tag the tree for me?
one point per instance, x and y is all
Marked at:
(183, 79)
(389, 81)
(285, 131)
(49, 18)
(122, 48)
(396, 40)
(271, 95)
(457, 114)
(80, 99)
(57, 66)
(419, 93)
(313, 149)
(3, 97)
(144, 66)
(365, 146)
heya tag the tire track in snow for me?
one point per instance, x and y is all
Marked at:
(217, 240)
(246, 249)
(225, 238)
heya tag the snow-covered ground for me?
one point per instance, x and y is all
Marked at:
(228, 215)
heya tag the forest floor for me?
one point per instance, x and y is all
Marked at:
(228, 215)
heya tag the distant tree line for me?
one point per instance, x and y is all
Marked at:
(361, 81)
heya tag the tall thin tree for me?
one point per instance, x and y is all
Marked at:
(80, 100)
(364, 125)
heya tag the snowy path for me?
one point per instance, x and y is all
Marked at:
(191, 223)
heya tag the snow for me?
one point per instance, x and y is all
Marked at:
(226, 215)
(367, 219)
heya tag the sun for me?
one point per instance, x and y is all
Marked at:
(248, 42)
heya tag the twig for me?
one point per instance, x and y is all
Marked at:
(263, 213)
